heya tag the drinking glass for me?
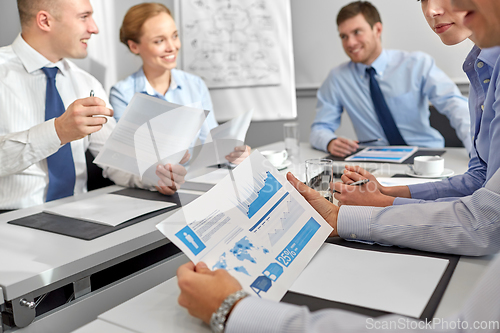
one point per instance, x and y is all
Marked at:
(292, 139)
(319, 175)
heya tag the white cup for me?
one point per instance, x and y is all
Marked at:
(276, 157)
(428, 165)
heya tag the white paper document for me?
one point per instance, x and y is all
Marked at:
(151, 132)
(254, 224)
(393, 154)
(212, 177)
(224, 138)
(109, 209)
(397, 283)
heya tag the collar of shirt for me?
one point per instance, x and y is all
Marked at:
(32, 60)
(489, 56)
(142, 84)
(380, 64)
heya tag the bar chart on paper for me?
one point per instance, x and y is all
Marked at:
(264, 188)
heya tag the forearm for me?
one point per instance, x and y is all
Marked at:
(397, 191)
(468, 226)
(20, 150)
(457, 186)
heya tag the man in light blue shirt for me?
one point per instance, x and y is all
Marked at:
(408, 82)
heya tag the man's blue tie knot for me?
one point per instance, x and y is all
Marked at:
(50, 72)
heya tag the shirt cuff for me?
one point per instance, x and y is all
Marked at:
(353, 222)
(44, 139)
(320, 139)
(254, 315)
(406, 201)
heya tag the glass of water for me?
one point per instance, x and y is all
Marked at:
(319, 175)
(292, 139)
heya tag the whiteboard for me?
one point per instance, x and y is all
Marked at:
(317, 47)
(243, 50)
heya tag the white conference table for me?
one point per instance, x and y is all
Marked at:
(156, 310)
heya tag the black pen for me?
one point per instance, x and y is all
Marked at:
(368, 141)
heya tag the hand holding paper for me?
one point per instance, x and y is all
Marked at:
(151, 132)
(239, 154)
(254, 225)
(203, 290)
(326, 209)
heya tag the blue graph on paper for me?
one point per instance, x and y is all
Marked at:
(265, 186)
(285, 219)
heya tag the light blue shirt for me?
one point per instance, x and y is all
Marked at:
(185, 89)
(408, 81)
(484, 94)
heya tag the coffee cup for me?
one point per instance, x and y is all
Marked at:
(276, 157)
(428, 165)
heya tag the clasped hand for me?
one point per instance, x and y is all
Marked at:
(369, 194)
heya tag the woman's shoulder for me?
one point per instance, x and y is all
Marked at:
(128, 84)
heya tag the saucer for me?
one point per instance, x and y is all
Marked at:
(445, 173)
(285, 165)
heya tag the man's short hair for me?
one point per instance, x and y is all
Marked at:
(353, 9)
(29, 8)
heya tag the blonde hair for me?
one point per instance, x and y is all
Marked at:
(133, 21)
(29, 8)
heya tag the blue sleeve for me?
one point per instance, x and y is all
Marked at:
(444, 94)
(119, 101)
(328, 113)
(468, 226)
(456, 186)
(494, 101)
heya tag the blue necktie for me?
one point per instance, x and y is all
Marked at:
(383, 113)
(61, 164)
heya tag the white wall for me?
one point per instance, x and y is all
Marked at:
(9, 22)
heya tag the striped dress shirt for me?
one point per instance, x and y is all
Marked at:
(467, 226)
(26, 139)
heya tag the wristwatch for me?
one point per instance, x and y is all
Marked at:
(219, 317)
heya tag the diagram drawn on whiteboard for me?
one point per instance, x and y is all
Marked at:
(231, 43)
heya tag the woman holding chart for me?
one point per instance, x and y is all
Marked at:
(149, 31)
(478, 66)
